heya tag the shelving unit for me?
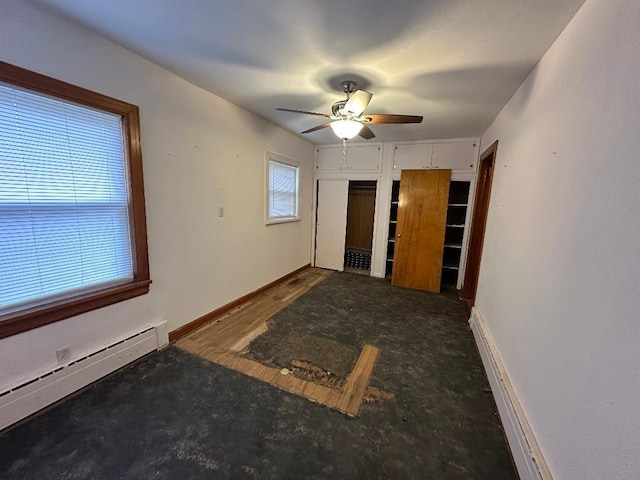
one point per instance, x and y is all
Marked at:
(393, 220)
(454, 231)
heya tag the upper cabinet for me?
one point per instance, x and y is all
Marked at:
(412, 156)
(459, 156)
(456, 156)
(358, 158)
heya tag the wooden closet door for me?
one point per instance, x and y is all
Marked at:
(422, 215)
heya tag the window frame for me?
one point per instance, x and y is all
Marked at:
(274, 157)
(62, 308)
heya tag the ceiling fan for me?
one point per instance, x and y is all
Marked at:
(348, 118)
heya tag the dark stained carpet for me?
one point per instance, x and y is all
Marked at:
(173, 415)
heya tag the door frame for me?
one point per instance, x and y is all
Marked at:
(479, 223)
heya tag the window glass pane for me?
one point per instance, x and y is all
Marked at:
(64, 215)
(283, 190)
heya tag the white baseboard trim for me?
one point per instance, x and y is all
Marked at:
(34, 394)
(524, 448)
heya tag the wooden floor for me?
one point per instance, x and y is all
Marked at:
(225, 342)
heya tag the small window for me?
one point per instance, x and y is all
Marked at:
(72, 227)
(283, 178)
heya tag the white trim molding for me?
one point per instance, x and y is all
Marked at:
(524, 447)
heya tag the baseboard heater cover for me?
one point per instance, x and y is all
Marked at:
(32, 395)
(524, 447)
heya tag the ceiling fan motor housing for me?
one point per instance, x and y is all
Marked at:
(337, 107)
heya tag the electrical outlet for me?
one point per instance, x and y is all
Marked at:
(63, 354)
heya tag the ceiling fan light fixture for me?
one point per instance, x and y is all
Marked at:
(346, 129)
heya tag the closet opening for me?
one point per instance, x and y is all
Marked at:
(360, 217)
(393, 225)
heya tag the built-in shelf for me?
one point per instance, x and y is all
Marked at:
(454, 232)
(393, 220)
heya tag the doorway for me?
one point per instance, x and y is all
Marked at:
(359, 231)
(478, 224)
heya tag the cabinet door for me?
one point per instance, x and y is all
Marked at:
(363, 158)
(412, 156)
(330, 159)
(331, 223)
(359, 158)
(459, 156)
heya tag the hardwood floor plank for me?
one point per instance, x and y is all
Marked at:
(359, 380)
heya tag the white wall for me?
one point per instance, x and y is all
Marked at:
(560, 272)
(199, 152)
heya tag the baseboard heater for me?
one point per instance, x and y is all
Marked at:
(34, 394)
(524, 447)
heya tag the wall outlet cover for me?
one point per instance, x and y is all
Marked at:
(63, 354)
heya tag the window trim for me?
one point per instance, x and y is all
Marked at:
(268, 157)
(60, 309)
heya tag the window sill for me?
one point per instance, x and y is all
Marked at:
(28, 319)
(275, 221)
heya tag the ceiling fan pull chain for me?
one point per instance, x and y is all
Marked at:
(344, 151)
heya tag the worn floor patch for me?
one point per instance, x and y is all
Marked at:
(329, 355)
(312, 373)
(374, 394)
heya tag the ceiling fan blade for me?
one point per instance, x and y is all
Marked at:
(366, 133)
(303, 111)
(357, 102)
(319, 127)
(388, 118)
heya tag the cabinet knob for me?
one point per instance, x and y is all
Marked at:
(398, 235)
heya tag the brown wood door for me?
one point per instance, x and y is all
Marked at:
(478, 224)
(422, 215)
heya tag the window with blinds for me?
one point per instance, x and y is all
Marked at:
(64, 221)
(72, 218)
(282, 190)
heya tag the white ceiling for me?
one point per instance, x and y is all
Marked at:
(456, 62)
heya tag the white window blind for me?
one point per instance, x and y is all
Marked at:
(64, 221)
(283, 191)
